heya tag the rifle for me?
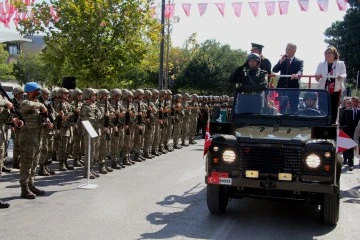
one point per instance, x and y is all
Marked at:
(106, 118)
(139, 120)
(76, 114)
(116, 120)
(59, 118)
(160, 114)
(172, 114)
(127, 117)
(49, 110)
(15, 109)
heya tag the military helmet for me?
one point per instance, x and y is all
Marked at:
(76, 92)
(147, 93)
(18, 90)
(115, 92)
(177, 96)
(127, 93)
(310, 95)
(138, 92)
(154, 91)
(162, 92)
(168, 91)
(185, 95)
(44, 91)
(103, 92)
(61, 91)
(254, 56)
(195, 96)
(87, 92)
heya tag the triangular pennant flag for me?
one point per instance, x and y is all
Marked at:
(283, 7)
(270, 7)
(207, 142)
(221, 7)
(27, 3)
(202, 8)
(7, 6)
(187, 8)
(169, 10)
(254, 8)
(24, 16)
(1, 8)
(344, 142)
(342, 4)
(323, 5)
(237, 8)
(304, 5)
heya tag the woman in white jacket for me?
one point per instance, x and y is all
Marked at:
(331, 75)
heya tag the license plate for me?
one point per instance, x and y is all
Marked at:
(225, 181)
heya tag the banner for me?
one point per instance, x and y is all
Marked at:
(270, 8)
(323, 5)
(202, 8)
(304, 5)
(254, 6)
(283, 7)
(342, 4)
(221, 7)
(187, 8)
(169, 10)
(237, 8)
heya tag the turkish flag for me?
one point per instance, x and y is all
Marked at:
(254, 8)
(207, 143)
(237, 8)
(169, 10)
(270, 7)
(283, 7)
(221, 7)
(187, 8)
(342, 4)
(323, 5)
(304, 5)
(344, 142)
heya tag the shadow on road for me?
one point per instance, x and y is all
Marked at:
(244, 219)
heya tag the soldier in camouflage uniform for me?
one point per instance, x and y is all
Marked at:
(55, 147)
(47, 135)
(77, 128)
(106, 111)
(117, 129)
(170, 121)
(149, 124)
(158, 123)
(66, 112)
(186, 119)
(194, 113)
(140, 109)
(4, 120)
(178, 117)
(90, 112)
(30, 139)
(162, 95)
(18, 93)
(129, 126)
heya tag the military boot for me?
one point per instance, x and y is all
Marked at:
(68, 167)
(102, 168)
(4, 204)
(168, 148)
(136, 157)
(52, 172)
(77, 163)
(115, 164)
(93, 172)
(147, 155)
(142, 158)
(108, 168)
(155, 153)
(126, 161)
(162, 150)
(62, 166)
(184, 144)
(26, 193)
(177, 146)
(16, 163)
(42, 170)
(192, 141)
(35, 190)
(91, 176)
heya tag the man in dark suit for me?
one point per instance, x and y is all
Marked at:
(289, 65)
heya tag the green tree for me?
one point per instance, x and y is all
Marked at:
(30, 67)
(345, 35)
(5, 68)
(97, 40)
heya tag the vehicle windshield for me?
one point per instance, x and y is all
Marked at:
(308, 103)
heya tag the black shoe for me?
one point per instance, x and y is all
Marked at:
(36, 191)
(5, 169)
(351, 168)
(4, 204)
(115, 165)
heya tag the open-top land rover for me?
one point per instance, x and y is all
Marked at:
(272, 150)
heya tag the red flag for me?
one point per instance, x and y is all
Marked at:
(207, 143)
(27, 3)
(323, 5)
(7, 6)
(237, 8)
(270, 7)
(169, 10)
(344, 142)
(283, 7)
(342, 4)
(202, 8)
(187, 8)
(304, 5)
(1, 8)
(254, 8)
(221, 7)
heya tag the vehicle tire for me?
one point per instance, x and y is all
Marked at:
(330, 208)
(217, 198)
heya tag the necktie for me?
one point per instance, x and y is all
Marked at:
(288, 62)
(354, 113)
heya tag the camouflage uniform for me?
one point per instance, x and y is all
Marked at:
(150, 124)
(178, 117)
(4, 120)
(18, 93)
(77, 129)
(194, 113)
(170, 121)
(129, 126)
(162, 95)
(185, 120)
(158, 123)
(140, 108)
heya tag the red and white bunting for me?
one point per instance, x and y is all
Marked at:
(283, 7)
(16, 19)
(7, 6)
(207, 142)
(169, 10)
(237, 8)
(304, 5)
(27, 3)
(342, 4)
(202, 8)
(254, 6)
(270, 7)
(344, 142)
(323, 5)
(221, 7)
(24, 16)
(187, 8)
(2, 8)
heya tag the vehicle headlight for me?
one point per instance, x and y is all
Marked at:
(313, 161)
(229, 156)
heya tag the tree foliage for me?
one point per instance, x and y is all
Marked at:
(345, 35)
(97, 41)
(30, 67)
(5, 69)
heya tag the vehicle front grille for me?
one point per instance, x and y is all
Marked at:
(271, 160)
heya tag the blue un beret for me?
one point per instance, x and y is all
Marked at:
(31, 87)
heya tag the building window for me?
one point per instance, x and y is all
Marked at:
(14, 49)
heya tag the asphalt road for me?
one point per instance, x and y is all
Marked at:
(163, 198)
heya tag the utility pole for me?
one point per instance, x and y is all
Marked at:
(161, 70)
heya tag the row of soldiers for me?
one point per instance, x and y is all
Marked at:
(139, 122)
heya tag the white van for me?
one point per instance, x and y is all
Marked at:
(9, 87)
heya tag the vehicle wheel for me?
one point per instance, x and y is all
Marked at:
(217, 198)
(330, 208)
